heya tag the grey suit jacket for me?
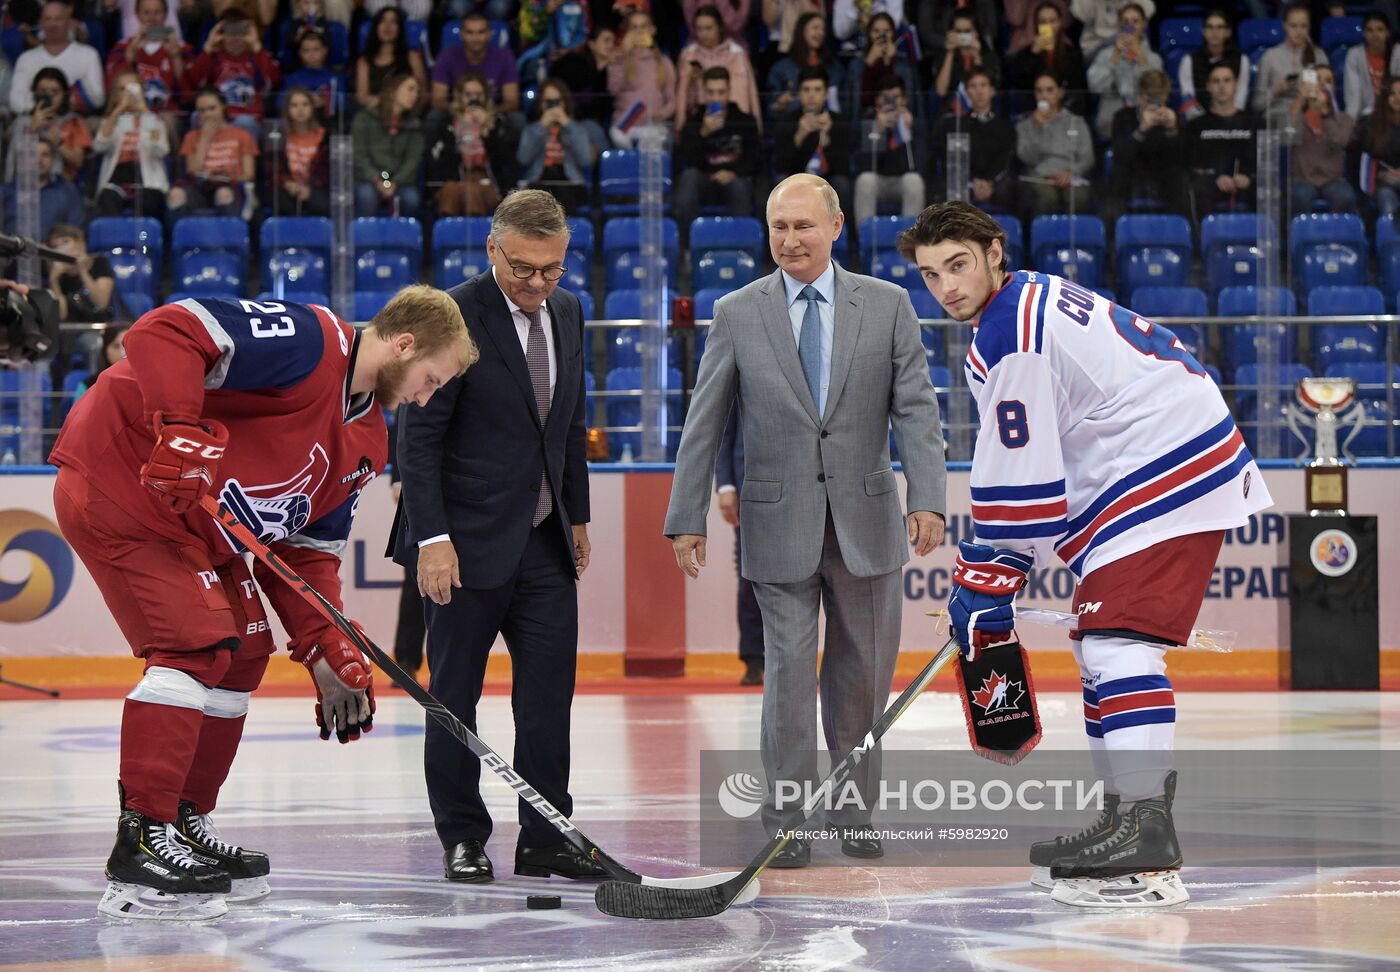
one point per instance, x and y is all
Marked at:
(799, 463)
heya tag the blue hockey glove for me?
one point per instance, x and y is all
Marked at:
(985, 582)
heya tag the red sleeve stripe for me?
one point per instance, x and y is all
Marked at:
(1054, 510)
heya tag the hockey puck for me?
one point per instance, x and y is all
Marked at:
(542, 902)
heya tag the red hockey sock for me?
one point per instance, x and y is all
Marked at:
(158, 747)
(218, 744)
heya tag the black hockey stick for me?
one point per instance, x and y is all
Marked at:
(488, 756)
(639, 901)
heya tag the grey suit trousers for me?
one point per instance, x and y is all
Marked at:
(863, 617)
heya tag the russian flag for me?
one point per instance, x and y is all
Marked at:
(907, 43)
(83, 100)
(1141, 700)
(632, 118)
(1370, 169)
(1020, 512)
(962, 104)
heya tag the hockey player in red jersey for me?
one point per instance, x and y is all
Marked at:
(274, 408)
(1103, 442)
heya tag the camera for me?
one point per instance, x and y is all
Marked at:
(43, 101)
(236, 29)
(159, 32)
(1309, 76)
(29, 328)
(965, 38)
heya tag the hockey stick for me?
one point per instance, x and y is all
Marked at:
(487, 755)
(645, 901)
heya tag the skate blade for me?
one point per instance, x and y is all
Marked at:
(1155, 889)
(1041, 879)
(126, 902)
(245, 890)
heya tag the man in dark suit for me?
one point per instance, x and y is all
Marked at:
(493, 520)
(729, 479)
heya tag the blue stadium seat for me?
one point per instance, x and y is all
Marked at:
(1015, 239)
(878, 233)
(1228, 246)
(705, 302)
(585, 300)
(296, 252)
(1340, 32)
(1254, 404)
(451, 267)
(10, 399)
(1371, 392)
(728, 233)
(942, 380)
(461, 233)
(297, 297)
(627, 410)
(590, 405)
(619, 180)
(575, 278)
(1242, 343)
(1152, 266)
(723, 268)
(1180, 34)
(71, 381)
(415, 33)
(1255, 34)
(1387, 235)
(625, 233)
(627, 268)
(1340, 343)
(451, 34)
(622, 304)
(1140, 230)
(211, 255)
(134, 246)
(931, 335)
(1070, 246)
(580, 245)
(136, 303)
(1309, 229)
(388, 253)
(1084, 267)
(369, 302)
(1330, 265)
(888, 265)
(1154, 303)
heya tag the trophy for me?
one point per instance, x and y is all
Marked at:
(1326, 404)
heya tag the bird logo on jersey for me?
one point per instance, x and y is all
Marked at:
(998, 694)
(277, 510)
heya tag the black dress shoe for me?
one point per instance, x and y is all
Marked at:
(863, 844)
(753, 674)
(467, 862)
(564, 859)
(795, 853)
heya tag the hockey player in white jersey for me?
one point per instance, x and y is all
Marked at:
(1103, 442)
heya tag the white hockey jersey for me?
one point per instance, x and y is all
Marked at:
(1100, 433)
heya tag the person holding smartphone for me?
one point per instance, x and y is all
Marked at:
(1049, 50)
(133, 143)
(1321, 135)
(891, 154)
(156, 53)
(711, 48)
(719, 152)
(1281, 66)
(1118, 67)
(810, 137)
(235, 62)
(881, 57)
(53, 119)
(555, 149)
(1147, 151)
(964, 52)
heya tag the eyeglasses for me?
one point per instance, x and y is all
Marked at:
(523, 271)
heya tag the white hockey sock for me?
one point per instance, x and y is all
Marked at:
(1136, 709)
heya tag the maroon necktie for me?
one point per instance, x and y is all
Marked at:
(537, 357)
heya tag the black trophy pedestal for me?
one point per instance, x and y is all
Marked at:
(1334, 609)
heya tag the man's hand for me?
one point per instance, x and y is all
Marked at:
(1225, 183)
(185, 461)
(723, 176)
(729, 506)
(344, 685)
(925, 531)
(985, 582)
(583, 548)
(437, 571)
(685, 545)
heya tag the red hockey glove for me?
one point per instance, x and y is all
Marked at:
(185, 461)
(344, 686)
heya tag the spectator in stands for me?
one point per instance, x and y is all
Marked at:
(585, 71)
(305, 15)
(388, 152)
(1117, 68)
(809, 50)
(472, 160)
(851, 19)
(642, 82)
(133, 143)
(780, 19)
(1281, 67)
(325, 85)
(554, 27)
(53, 119)
(220, 159)
(891, 154)
(711, 49)
(811, 137)
(157, 55)
(1368, 64)
(555, 149)
(992, 146)
(1379, 138)
(129, 22)
(83, 288)
(1147, 151)
(1193, 72)
(1022, 21)
(1102, 22)
(934, 21)
(1321, 135)
(1220, 148)
(5, 75)
(1051, 51)
(734, 15)
(386, 54)
(1057, 150)
(79, 62)
(718, 152)
(113, 336)
(59, 201)
(235, 64)
(865, 74)
(301, 179)
(964, 51)
(477, 53)
(420, 10)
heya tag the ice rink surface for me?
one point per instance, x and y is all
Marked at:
(356, 867)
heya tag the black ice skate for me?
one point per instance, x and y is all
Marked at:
(1137, 866)
(1046, 852)
(247, 868)
(152, 875)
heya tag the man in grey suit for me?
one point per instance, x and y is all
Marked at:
(823, 362)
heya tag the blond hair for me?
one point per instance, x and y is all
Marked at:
(432, 317)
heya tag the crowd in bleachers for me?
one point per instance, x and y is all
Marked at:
(191, 138)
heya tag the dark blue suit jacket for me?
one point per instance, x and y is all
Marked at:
(470, 459)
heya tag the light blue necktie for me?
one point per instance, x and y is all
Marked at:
(809, 343)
